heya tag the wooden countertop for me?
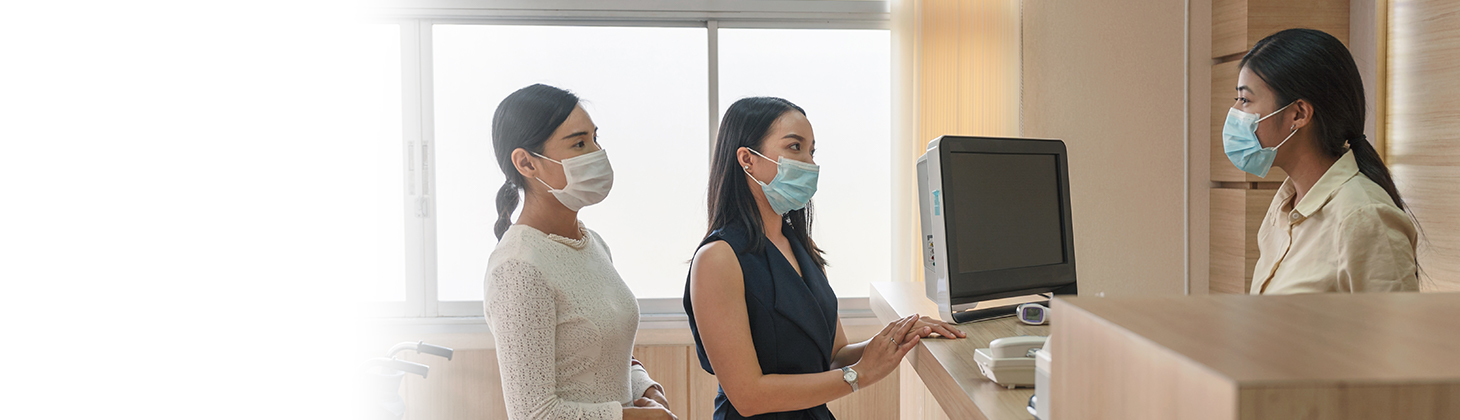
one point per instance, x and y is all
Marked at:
(1352, 338)
(946, 366)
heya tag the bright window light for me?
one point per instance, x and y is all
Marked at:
(380, 46)
(645, 88)
(842, 78)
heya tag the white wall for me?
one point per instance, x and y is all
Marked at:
(1109, 80)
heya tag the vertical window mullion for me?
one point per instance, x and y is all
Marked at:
(713, 70)
(428, 178)
(421, 227)
(412, 125)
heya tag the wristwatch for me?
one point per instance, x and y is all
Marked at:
(850, 376)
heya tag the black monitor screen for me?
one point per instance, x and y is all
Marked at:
(1007, 210)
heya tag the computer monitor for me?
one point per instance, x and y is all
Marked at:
(995, 222)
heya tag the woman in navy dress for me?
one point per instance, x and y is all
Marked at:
(763, 315)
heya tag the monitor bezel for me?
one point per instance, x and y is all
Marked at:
(997, 284)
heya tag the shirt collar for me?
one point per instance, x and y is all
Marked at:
(1327, 185)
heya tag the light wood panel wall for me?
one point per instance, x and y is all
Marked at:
(966, 64)
(1236, 216)
(1423, 129)
(1228, 241)
(1238, 199)
(469, 387)
(1237, 24)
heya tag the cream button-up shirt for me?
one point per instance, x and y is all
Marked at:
(1346, 235)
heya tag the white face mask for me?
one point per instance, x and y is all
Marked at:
(589, 176)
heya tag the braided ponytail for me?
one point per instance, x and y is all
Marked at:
(506, 203)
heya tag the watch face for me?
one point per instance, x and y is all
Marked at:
(849, 375)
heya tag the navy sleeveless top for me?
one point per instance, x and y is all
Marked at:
(792, 318)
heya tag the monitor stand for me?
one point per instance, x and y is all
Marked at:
(987, 310)
(984, 314)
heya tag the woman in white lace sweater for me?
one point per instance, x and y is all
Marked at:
(563, 319)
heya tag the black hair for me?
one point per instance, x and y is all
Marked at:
(524, 120)
(746, 124)
(1314, 66)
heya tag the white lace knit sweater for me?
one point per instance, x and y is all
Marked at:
(564, 323)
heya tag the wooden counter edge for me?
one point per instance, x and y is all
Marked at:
(935, 376)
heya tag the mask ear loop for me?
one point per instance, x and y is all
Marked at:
(1294, 128)
(746, 168)
(544, 183)
(1285, 140)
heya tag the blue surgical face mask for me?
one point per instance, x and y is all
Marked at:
(1239, 140)
(793, 186)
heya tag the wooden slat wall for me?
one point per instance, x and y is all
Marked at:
(1227, 241)
(1237, 24)
(670, 366)
(1236, 216)
(1423, 128)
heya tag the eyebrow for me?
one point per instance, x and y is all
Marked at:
(1244, 87)
(578, 134)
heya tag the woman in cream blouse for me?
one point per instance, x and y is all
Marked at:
(563, 319)
(1337, 224)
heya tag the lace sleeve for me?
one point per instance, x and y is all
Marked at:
(521, 309)
(641, 381)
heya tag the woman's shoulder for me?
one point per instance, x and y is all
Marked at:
(1362, 195)
(735, 235)
(519, 245)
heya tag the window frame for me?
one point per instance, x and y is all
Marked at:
(416, 22)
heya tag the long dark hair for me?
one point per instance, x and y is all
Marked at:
(1314, 66)
(524, 120)
(730, 200)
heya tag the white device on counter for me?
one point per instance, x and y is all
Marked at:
(1033, 314)
(1041, 380)
(1009, 361)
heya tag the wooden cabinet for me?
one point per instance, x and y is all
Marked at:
(1345, 356)
(469, 386)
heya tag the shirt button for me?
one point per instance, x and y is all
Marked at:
(1295, 215)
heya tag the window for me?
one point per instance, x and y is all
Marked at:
(379, 48)
(649, 103)
(648, 89)
(842, 78)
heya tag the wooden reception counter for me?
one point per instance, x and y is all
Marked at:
(946, 366)
(1218, 357)
(1329, 356)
